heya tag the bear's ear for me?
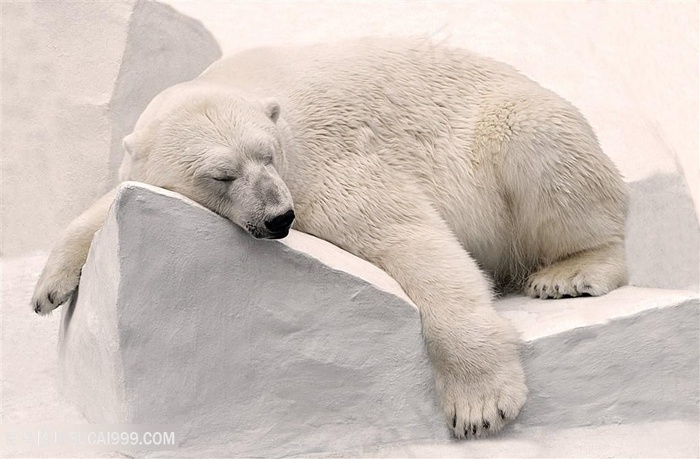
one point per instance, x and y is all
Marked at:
(130, 144)
(271, 108)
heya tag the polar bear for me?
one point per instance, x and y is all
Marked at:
(452, 172)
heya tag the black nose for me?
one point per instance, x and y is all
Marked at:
(281, 222)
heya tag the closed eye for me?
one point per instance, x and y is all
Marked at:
(224, 178)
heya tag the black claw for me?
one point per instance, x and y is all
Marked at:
(486, 424)
(500, 412)
(51, 297)
(454, 421)
(473, 426)
(37, 307)
(466, 432)
(556, 288)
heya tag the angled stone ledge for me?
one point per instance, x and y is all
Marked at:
(183, 318)
(630, 356)
(297, 347)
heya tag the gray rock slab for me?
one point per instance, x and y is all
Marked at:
(182, 318)
(271, 348)
(629, 356)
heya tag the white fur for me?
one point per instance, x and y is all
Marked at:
(436, 164)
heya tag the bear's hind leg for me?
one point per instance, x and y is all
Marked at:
(588, 273)
(567, 201)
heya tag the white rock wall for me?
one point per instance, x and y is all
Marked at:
(75, 76)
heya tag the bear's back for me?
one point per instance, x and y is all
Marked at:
(359, 66)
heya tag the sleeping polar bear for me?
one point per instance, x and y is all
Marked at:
(448, 170)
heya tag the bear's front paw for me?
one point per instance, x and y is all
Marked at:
(478, 407)
(54, 288)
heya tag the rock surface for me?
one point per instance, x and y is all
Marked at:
(297, 347)
(183, 318)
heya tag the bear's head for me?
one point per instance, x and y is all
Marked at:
(220, 150)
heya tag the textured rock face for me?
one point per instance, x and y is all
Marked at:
(183, 318)
(295, 347)
(75, 76)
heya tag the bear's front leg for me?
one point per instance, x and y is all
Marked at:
(61, 275)
(474, 353)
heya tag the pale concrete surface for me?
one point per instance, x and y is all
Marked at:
(29, 360)
(170, 285)
(75, 76)
(657, 440)
(650, 440)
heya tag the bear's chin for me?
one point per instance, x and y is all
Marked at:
(279, 235)
(268, 235)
